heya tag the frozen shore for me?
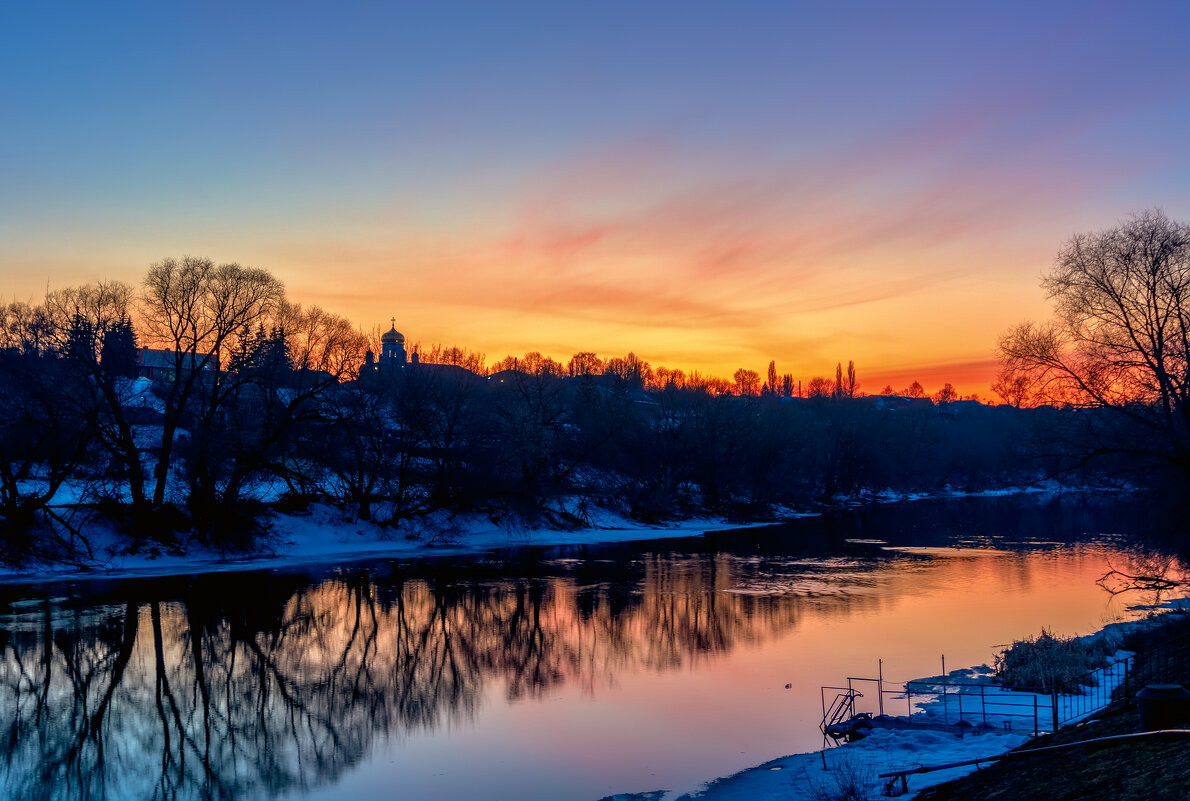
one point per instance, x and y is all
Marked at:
(324, 534)
(856, 766)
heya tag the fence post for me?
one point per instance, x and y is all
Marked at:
(880, 686)
(1034, 714)
(1054, 706)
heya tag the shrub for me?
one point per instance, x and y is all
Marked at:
(1055, 664)
(849, 779)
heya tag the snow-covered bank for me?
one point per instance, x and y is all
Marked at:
(803, 776)
(830, 773)
(324, 534)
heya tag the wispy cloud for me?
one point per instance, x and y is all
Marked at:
(648, 235)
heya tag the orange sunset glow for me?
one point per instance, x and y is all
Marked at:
(716, 190)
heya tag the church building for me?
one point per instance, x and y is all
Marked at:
(392, 352)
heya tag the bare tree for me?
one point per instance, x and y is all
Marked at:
(322, 345)
(532, 416)
(43, 441)
(26, 329)
(665, 378)
(106, 398)
(277, 387)
(947, 394)
(197, 308)
(1016, 387)
(460, 357)
(820, 387)
(747, 382)
(1120, 336)
(584, 363)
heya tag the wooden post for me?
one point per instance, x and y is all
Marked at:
(880, 686)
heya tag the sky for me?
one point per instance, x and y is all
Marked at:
(711, 185)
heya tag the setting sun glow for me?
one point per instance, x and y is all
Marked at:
(708, 186)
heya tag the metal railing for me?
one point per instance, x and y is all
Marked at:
(1161, 663)
(974, 704)
(990, 705)
(1097, 691)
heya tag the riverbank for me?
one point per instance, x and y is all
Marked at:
(325, 534)
(322, 534)
(1129, 770)
(1119, 771)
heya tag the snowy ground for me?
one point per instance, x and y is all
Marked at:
(831, 773)
(802, 776)
(325, 535)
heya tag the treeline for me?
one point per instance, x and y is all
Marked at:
(238, 371)
(255, 401)
(632, 368)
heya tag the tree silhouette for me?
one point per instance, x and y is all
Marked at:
(1119, 341)
(258, 686)
(747, 382)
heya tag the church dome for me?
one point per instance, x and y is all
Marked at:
(392, 335)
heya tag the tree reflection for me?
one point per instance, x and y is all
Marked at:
(242, 687)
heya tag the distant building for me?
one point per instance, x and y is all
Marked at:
(161, 364)
(392, 352)
(894, 402)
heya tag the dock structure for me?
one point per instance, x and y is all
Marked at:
(967, 702)
(840, 719)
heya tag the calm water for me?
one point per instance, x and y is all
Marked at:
(567, 673)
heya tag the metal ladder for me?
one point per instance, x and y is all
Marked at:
(842, 709)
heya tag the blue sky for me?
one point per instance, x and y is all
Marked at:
(709, 184)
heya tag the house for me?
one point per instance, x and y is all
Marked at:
(161, 364)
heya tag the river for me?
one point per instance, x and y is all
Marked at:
(542, 673)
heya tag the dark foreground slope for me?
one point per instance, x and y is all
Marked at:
(1129, 770)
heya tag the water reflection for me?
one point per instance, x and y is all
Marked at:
(243, 686)
(206, 696)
